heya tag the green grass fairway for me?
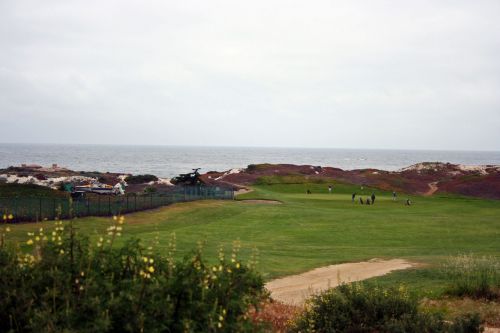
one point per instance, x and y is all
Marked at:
(308, 231)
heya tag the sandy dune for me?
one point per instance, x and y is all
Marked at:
(295, 289)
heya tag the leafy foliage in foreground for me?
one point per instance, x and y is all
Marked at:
(67, 284)
(361, 308)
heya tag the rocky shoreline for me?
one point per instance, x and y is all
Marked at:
(420, 179)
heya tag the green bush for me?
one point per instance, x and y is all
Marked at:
(141, 179)
(258, 167)
(150, 190)
(362, 308)
(68, 284)
(477, 277)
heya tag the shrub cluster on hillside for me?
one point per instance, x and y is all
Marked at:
(66, 283)
(141, 179)
(362, 308)
(13, 190)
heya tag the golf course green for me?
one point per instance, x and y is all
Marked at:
(303, 231)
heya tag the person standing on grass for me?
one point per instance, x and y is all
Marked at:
(394, 195)
(361, 200)
(329, 188)
(408, 202)
(353, 196)
(373, 198)
(367, 201)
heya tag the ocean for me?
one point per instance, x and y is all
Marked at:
(168, 161)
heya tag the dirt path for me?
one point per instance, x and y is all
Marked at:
(432, 189)
(295, 289)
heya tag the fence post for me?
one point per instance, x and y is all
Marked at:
(40, 205)
(98, 205)
(109, 205)
(15, 207)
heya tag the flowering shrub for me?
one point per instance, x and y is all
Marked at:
(68, 283)
(359, 308)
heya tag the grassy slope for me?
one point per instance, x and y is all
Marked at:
(29, 191)
(308, 231)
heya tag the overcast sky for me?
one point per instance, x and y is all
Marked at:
(341, 74)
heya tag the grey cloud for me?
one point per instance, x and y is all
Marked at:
(354, 74)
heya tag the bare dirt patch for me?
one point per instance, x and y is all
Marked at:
(295, 289)
(489, 310)
(242, 191)
(261, 201)
(432, 189)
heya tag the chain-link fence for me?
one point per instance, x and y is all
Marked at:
(44, 208)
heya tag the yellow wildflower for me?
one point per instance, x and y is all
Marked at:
(11, 216)
(7, 229)
(61, 251)
(4, 217)
(29, 242)
(151, 269)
